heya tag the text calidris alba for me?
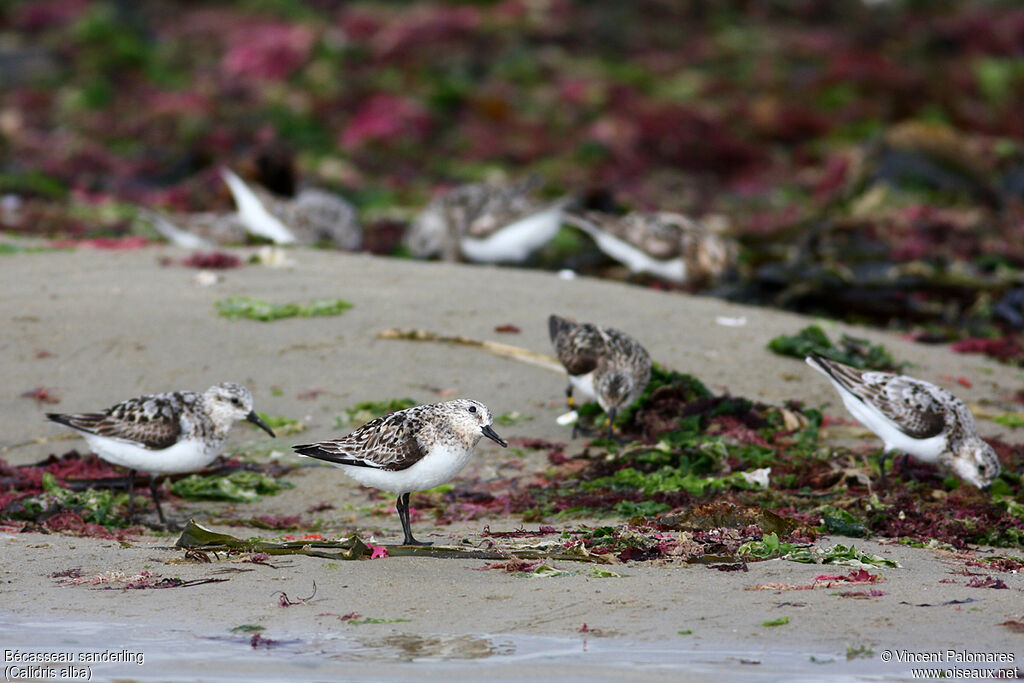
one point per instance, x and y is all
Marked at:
(603, 363)
(170, 433)
(915, 417)
(409, 450)
(485, 223)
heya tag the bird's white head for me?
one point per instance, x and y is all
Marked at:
(227, 403)
(471, 420)
(976, 463)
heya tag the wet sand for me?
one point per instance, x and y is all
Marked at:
(118, 324)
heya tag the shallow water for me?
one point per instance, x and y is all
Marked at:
(152, 654)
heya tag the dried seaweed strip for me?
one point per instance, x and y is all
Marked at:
(196, 537)
(497, 348)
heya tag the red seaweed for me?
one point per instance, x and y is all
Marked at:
(214, 260)
(41, 395)
(986, 582)
(284, 601)
(513, 565)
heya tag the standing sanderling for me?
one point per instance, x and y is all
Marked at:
(410, 450)
(485, 223)
(170, 433)
(605, 364)
(666, 245)
(915, 417)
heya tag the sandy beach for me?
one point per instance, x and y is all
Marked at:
(115, 325)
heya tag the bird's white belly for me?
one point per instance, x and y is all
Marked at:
(927, 450)
(187, 455)
(637, 260)
(253, 215)
(516, 241)
(437, 467)
(584, 384)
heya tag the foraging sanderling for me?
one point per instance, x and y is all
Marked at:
(312, 216)
(666, 245)
(485, 223)
(197, 230)
(410, 450)
(915, 417)
(603, 363)
(171, 433)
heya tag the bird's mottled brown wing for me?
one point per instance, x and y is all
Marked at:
(661, 235)
(579, 346)
(150, 421)
(909, 403)
(393, 442)
(912, 405)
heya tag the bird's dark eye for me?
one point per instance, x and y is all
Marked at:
(236, 402)
(472, 409)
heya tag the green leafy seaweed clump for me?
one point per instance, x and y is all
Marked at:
(770, 547)
(238, 487)
(237, 307)
(1012, 420)
(859, 353)
(839, 522)
(688, 386)
(365, 411)
(281, 424)
(95, 506)
(685, 387)
(767, 548)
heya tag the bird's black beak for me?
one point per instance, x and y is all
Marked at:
(986, 488)
(255, 419)
(489, 432)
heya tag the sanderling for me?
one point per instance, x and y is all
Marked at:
(485, 223)
(915, 417)
(666, 245)
(312, 216)
(605, 364)
(409, 450)
(198, 230)
(170, 433)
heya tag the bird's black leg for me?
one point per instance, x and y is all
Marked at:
(403, 516)
(131, 496)
(611, 420)
(155, 491)
(572, 406)
(883, 482)
(904, 467)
